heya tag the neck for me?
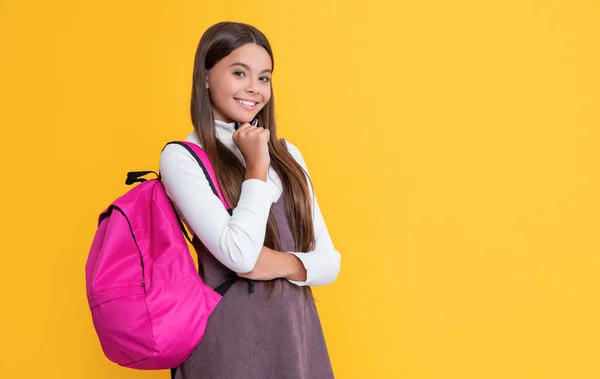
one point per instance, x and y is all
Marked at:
(224, 129)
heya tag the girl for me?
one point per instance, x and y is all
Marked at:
(275, 240)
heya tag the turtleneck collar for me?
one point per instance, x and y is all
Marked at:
(224, 130)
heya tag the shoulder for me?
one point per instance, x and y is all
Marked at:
(295, 153)
(175, 156)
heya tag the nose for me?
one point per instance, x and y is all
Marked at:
(252, 86)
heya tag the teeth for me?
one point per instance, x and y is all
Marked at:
(248, 103)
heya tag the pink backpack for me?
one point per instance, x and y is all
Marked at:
(149, 306)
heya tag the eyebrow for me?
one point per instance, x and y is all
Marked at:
(248, 67)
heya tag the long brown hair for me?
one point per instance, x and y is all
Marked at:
(216, 43)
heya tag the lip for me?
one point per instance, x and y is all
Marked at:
(248, 107)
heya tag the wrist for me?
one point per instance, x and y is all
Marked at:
(256, 171)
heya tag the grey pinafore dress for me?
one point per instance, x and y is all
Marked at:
(253, 336)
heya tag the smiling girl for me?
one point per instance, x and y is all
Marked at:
(275, 240)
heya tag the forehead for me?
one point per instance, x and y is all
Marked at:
(250, 54)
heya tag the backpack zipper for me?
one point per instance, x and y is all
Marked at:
(107, 213)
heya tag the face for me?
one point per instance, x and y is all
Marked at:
(239, 85)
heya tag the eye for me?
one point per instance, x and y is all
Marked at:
(265, 79)
(239, 73)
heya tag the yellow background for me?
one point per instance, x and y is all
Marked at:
(454, 147)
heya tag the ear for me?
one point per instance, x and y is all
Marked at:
(206, 79)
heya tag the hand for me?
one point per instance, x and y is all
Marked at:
(266, 266)
(273, 264)
(253, 144)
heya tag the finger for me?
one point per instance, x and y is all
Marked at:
(253, 130)
(243, 127)
(241, 133)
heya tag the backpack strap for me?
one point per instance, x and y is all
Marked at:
(202, 158)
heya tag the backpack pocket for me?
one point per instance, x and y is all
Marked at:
(123, 324)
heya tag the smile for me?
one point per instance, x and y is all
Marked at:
(246, 104)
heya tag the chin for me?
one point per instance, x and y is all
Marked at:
(243, 118)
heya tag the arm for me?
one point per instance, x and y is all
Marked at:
(272, 264)
(323, 263)
(315, 268)
(236, 240)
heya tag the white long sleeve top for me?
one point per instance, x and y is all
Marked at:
(236, 240)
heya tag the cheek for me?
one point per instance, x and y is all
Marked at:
(267, 94)
(223, 88)
(232, 86)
